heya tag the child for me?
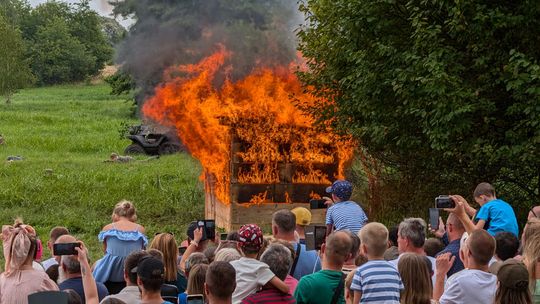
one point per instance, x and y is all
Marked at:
(378, 280)
(252, 274)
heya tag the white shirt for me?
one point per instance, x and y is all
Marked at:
(49, 262)
(431, 259)
(130, 294)
(251, 274)
(470, 286)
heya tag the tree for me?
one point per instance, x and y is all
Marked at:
(14, 70)
(445, 93)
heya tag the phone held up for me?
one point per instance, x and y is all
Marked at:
(209, 231)
(65, 248)
(434, 218)
(195, 299)
(315, 236)
(317, 204)
(444, 202)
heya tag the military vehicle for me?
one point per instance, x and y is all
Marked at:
(147, 141)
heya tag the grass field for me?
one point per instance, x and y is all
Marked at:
(71, 129)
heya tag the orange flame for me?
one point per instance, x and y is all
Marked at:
(258, 113)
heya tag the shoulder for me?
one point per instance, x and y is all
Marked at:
(108, 227)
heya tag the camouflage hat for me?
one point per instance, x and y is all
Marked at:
(341, 188)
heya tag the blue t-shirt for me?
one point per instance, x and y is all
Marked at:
(378, 281)
(308, 262)
(346, 215)
(499, 216)
(77, 285)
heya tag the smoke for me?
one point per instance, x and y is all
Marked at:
(258, 33)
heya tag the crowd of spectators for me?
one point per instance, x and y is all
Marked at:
(473, 257)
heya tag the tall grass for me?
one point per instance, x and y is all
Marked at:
(70, 130)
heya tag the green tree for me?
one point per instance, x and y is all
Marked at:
(444, 93)
(14, 70)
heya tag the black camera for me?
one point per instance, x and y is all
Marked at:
(65, 248)
(317, 204)
(444, 202)
(315, 236)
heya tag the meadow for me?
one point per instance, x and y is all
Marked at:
(64, 133)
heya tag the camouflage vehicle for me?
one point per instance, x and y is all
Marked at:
(147, 141)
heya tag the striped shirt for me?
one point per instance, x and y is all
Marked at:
(379, 282)
(346, 215)
(269, 296)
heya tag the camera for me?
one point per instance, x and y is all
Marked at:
(315, 236)
(317, 204)
(209, 229)
(195, 299)
(444, 202)
(65, 248)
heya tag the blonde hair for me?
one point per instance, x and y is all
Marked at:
(416, 278)
(227, 255)
(166, 243)
(375, 237)
(196, 279)
(531, 250)
(124, 209)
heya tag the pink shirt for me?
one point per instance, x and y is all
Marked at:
(292, 283)
(16, 287)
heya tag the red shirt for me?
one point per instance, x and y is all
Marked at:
(269, 296)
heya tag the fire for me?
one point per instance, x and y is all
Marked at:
(254, 122)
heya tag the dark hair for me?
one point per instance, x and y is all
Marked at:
(507, 245)
(355, 239)
(233, 236)
(482, 246)
(221, 280)
(73, 297)
(432, 246)
(285, 220)
(52, 272)
(210, 253)
(393, 235)
(132, 260)
(57, 232)
(111, 300)
(484, 189)
(278, 258)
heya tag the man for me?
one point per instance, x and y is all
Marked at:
(220, 283)
(322, 286)
(474, 284)
(342, 213)
(279, 259)
(283, 227)
(150, 277)
(454, 232)
(70, 269)
(130, 293)
(495, 215)
(303, 219)
(411, 238)
(507, 246)
(350, 264)
(55, 233)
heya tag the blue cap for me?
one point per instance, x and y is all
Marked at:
(341, 188)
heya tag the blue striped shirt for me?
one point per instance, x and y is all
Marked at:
(346, 215)
(379, 282)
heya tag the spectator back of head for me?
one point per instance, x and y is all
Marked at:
(57, 232)
(338, 247)
(196, 279)
(432, 246)
(278, 258)
(150, 274)
(393, 234)
(414, 230)
(195, 259)
(481, 246)
(484, 189)
(220, 280)
(71, 264)
(284, 220)
(507, 245)
(124, 209)
(374, 237)
(132, 260)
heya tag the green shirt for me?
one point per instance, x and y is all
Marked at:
(319, 288)
(536, 293)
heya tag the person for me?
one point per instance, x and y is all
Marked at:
(416, 277)
(327, 286)
(73, 297)
(392, 251)
(195, 258)
(432, 246)
(349, 294)
(195, 243)
(165, 243)
(195, 282)
(350, 264)
(150, 277)
(19, 278)
(130, 293)
(220, 283)
(227, 255)
(534, 213)
(252, 274)
(303, 219)
(54, 234)
(454, 232)
(377, 271)
(495, 215)
(507, 245)
(513, 281)
(120, 238)
(342, 213)
(283, 227)
(474, 284)
(531, 256)
(89, 284)
(70, 270)
(120, 158)
(278, 258)
(289, 280)
(411, 238)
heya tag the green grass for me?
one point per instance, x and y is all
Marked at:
(71, 129)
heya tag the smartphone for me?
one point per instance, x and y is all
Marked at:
(315, 236)
(317, 204)
(195, 299)
(444, 201)
(223, 236)
(434, 218)
(65, 248)
(182, 250)
(209, 229)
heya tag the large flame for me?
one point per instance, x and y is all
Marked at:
(258, 111)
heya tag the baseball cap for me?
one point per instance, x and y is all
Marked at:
(250, 237)
(149, 268)
(341, 188)
(511, 274)
(303, 216)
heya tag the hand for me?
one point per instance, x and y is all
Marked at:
(440, 230)
(82, 253)
(459, 210)
(197, 235)
(444, 262)
(329, 202)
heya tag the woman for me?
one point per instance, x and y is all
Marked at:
(513, 283)
(531, 256)
(416, 278)
(195, 282)
(20, 279)
(165, 243)
(120, 238)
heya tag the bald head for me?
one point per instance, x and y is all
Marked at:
(66, 238)
(338, 247)
(455, 222)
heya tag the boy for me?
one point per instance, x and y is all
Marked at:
(378, 280)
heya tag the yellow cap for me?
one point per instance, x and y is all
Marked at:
(303, 216)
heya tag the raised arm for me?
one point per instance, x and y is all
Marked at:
(89, 284)
(197, 235)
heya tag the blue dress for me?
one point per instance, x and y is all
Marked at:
(119, 245)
